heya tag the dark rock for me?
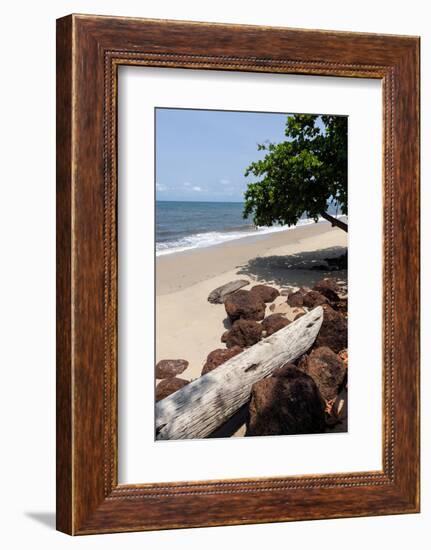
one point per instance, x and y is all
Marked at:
(284, 370)
(341, 306)
(219, 294)
(169, 385)
(333, 332)
(286, 405)
(327, 282)
(329, 289)
(244, 333)
(218, 357)
(274, 322)
(313, 299)
(168, 368)
(265, 292)
(245, 304)
(295, 299)
(326, 369)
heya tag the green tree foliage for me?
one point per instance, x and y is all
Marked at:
(305, 173)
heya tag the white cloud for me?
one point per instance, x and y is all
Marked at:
(187, 184)
(197, 188)
(224, 181)
(160, 187)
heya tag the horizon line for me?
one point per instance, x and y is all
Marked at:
(173, 200)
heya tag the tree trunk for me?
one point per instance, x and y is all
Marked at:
(334, 221)
(197, 409)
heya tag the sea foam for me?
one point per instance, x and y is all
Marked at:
(212, 238)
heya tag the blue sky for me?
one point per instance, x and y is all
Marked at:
(202, 155)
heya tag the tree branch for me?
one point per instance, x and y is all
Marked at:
(335, 221)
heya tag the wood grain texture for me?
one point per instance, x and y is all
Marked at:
(64, 495)
(197, 409)
(90, 49)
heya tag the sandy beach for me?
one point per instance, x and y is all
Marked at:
(189, 327)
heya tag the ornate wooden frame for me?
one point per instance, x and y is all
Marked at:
(89, 51)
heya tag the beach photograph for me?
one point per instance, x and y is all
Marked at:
(251, 296)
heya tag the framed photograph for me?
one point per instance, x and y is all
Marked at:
(237, 274)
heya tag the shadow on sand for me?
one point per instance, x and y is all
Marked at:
(233, 424)
(302, 269)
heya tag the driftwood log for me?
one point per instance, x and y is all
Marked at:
(219, 294)
(196, 410)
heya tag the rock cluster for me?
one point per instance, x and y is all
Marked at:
(310, 396)
(306, 397)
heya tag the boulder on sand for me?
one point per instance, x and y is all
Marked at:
(265, 292)
(244, 333)
(219, 294)
(274, 322)
(329, 288)
(169, 385)
(245, 305)
(333, 332)
(286, 405)
(218, 357)
(326, 369)
(168, 368)
(313, 299)
(295, 299)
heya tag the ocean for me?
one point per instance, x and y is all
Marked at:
(186, 225)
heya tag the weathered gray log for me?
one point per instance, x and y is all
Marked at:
(218, 295)
(199, 408)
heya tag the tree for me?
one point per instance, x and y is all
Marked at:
(305, 173)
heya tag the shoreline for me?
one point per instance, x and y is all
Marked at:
(228, 255)
(189, 327)
(238, 234)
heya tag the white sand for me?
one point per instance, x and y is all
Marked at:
(189, 327)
